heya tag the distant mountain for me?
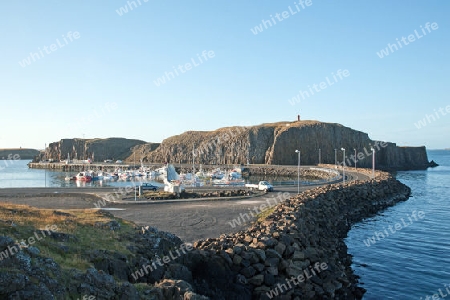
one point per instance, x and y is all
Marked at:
(18, 153)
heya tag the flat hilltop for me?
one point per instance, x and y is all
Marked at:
(267, 144)
(24, 153)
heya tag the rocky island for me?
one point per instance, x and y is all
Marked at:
(18, 153)
(268, 144)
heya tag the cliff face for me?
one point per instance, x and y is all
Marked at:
(139, 150)
(98, 149)
(276, 143)
(273, 143)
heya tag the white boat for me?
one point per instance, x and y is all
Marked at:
(216, 174)
(83, 176)
(227, 182)
(124, 175)
(234, 174)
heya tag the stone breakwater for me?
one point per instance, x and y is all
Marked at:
(269, 170)
(304, 231)
(291, 171)
(296, 252)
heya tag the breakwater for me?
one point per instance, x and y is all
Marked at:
(298, 250)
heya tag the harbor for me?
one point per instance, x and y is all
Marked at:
(104, 174)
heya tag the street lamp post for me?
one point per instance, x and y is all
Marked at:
(45, 158)
(298, 172)
(343, 165)
(319, 156)
(335, 158)
(355, 157)
(373, 162)
(193, 161)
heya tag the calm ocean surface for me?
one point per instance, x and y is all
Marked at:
(414, 261)
(15, 173)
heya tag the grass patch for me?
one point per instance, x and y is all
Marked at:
(80, 225)
(264, 214)
(141, 287)
(157, 194)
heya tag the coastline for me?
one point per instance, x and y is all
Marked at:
(304, 233)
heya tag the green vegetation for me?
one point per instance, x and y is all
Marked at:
(82, 229)
(264, 214)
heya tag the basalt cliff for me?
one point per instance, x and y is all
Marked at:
(95, 149)
(275, 144)
(268, 144)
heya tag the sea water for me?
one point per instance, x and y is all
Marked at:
(16, 174)
(412, 262)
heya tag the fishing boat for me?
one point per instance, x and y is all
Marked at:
(109, 176)
(83, 176)
(216, 174)
(234, 174)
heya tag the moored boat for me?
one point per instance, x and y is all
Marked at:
(83, 176)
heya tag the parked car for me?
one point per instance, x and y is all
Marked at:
(262, 186)
(147, 186)
(119, 161)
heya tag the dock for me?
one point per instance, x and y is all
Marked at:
(76, 167)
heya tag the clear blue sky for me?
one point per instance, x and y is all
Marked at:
(102, 84)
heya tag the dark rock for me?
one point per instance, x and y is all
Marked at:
(60, 213)
(179, 271)
(248, 272)
(62, 237)
(259, 267)
(269, 279)
(32, 251)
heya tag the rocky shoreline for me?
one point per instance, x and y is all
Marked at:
(304, 231)
(297, 252)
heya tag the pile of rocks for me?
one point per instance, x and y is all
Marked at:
(289, 171)
(302, 239)
(192, 195)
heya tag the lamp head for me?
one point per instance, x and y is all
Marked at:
(342, 149)
(371, 148)
(297, 151)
